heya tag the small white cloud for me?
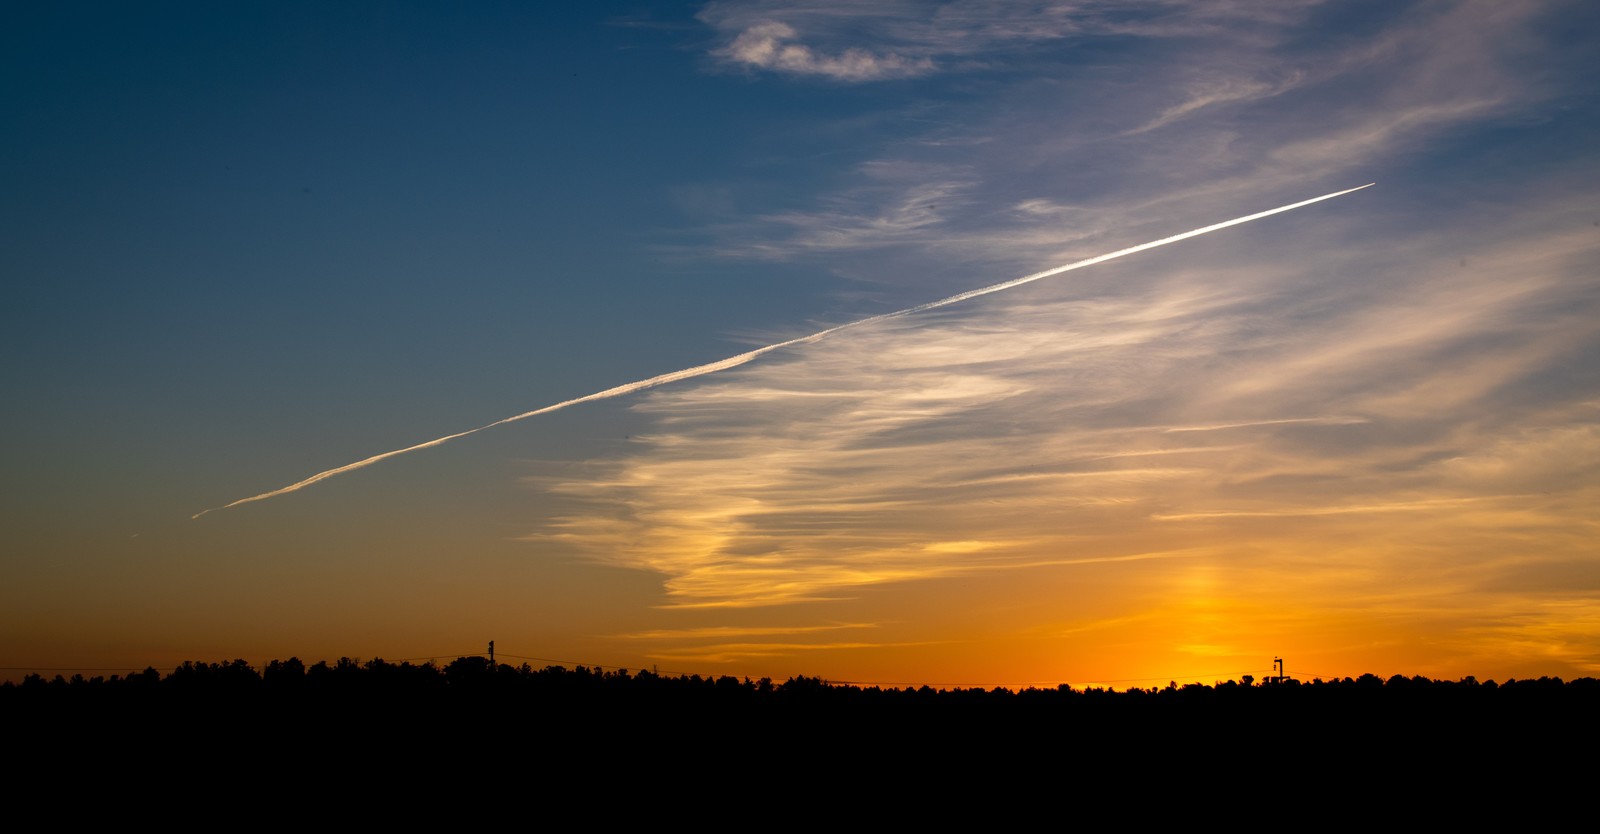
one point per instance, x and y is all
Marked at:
(772, 46)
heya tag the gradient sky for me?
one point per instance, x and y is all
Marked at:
(243, 244)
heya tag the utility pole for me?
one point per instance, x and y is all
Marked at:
(491, 656)
(1281, 676)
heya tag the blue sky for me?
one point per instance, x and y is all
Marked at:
(243, 246)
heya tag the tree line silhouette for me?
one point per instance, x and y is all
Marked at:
(376, 684)
(215, 726)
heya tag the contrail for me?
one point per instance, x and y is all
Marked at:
(740, 359)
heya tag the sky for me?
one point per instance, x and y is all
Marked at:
(248, 243)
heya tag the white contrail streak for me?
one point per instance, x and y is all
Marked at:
(736, 361)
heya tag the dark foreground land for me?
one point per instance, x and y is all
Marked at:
(556, 730)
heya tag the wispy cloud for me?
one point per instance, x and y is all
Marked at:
(854, 42)
(1374, 418)
(736, 652)
(1209, 92)
(715, 644)
(1222, 103)
(1326, 421)
(771, 45)
(858, 42)
(720, 632)
(895, 205)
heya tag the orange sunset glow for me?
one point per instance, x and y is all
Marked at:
(692, 339)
